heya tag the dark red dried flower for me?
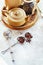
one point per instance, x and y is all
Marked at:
(28, 35)
(21, 39)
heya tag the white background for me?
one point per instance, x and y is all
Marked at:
(2, 61)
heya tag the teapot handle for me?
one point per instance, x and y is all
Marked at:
(5, 12)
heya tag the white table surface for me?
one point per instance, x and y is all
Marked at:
(2, 61)
(26, 54)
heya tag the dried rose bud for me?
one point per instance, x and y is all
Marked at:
(28, 35)
(21, 39)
